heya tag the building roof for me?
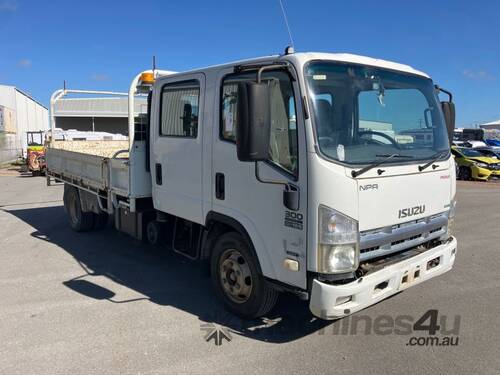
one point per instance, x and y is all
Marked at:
(25, 94)
(492, 123)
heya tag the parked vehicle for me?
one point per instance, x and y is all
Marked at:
(459, 143)
(465, 134)
(474, 144)
(493, 142)
(474, 165)
(273, 171)
(490, 152)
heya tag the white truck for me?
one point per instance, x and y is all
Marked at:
(260, 168)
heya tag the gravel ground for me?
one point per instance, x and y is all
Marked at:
(103, 303)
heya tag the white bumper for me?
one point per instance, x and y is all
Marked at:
(330, 301)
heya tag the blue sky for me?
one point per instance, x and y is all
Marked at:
(103, 44)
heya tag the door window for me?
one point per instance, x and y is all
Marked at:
(283, 145)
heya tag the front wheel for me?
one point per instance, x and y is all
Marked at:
(464, 173)
(237, 278)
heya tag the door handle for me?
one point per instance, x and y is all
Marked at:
(158, 174)
(291, 197)
(220, 188)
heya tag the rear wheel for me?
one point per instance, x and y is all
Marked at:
(464, 173)
(79, 220)
(237, 278)
(153, 232)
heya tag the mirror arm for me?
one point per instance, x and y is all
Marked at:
(273, 65)
(293, 204)
(445, 92)
(268, 67)
(275, 182)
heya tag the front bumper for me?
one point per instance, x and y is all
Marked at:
(484, 174)
(335, 301)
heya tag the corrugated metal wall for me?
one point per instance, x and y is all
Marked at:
(18, 113)
(10, 147)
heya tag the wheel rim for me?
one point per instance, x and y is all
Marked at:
(235, 276)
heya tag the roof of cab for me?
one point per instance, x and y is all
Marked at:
(355, 59)
(301, 58)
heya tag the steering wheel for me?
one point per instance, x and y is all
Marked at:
(383, 135)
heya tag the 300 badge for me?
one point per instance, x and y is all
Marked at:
(294, 220)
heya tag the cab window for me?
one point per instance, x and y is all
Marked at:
(283, 145)
(179, 109)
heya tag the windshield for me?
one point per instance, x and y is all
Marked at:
(470, 153)
(488, 152)
(363, 113)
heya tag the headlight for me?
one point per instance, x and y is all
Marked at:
(451, 218)
(338, 242)
(481, 165)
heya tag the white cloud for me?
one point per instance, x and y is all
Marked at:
(8, 5)
(99, 77)
(477, 74)
(24, 63)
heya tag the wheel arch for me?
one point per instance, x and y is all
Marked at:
(216, 224)
(89, 201)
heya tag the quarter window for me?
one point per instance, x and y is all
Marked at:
(179, 109)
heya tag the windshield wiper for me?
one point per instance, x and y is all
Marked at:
(377, 163)
(435, 157)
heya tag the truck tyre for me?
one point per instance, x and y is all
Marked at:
(153, 232)
(464, 173)
(79, 220)
(237, 278)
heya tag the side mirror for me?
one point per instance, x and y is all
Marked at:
(448, 112)
(253, 130)
(449, 117)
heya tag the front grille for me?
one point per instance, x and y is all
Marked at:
(369, 249)
(388, 240)
(406, 239)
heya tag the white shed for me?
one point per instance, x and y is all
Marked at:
(19, 113)
(104, 114)
(494, 125)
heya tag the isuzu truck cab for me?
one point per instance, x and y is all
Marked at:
(325, 175)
